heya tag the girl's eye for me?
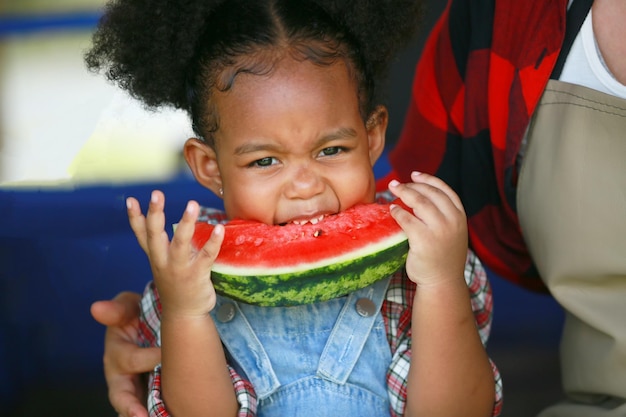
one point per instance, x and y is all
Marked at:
(331, 150)
(264, 162)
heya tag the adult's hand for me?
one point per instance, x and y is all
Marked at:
(124, 361)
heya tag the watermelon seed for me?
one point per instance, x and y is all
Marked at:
(317, 233)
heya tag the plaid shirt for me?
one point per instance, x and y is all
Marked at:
(481, 74)
(396, 311)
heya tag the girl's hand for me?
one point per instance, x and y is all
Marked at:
(437, 229)
(181, 273)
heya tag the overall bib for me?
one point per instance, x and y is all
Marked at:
(572, 210)
(322, 359)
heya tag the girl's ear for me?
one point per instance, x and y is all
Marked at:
(202, 161)
(376, 126)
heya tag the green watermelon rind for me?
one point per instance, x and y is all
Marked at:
(312, 285)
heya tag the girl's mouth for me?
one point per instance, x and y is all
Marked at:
(312, 220)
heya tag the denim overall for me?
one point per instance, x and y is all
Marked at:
(322, 359)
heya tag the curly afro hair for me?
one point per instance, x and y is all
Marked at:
(176, 52)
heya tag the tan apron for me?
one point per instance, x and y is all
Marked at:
(572, 209)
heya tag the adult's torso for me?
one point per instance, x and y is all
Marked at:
(571, 202)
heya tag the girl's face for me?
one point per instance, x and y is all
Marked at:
(292, 146)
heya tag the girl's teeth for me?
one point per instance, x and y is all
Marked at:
(317, 220)
(312, 221)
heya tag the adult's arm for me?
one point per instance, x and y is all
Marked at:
(124, 361)
(480, 75)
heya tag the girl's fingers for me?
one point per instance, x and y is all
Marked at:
(156, 215)
(406, 220)
(429, 198)
(154, 240)
(211, 248)
(419, 199)
(137, 222)
(205, 258)
(439, 185)
(158, 240)
(181, 241)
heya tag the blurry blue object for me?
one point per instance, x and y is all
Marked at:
(29, 23)
(60, 250)
(522, 317)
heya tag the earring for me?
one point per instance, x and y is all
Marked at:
(221, 191)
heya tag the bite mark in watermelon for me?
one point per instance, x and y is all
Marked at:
(272, 265)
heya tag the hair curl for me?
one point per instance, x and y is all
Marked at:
(175, 52)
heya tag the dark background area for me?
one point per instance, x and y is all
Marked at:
(61, 250)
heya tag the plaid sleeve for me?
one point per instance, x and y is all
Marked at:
(150, 335)
(243, 391)
(482, 305)
(397, 315)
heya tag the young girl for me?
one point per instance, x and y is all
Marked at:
(282, 95)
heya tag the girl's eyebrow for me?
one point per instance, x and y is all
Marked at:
(252, 146)
(344, 132)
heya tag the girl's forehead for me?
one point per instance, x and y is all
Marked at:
(268, 60)
(294, 81)
(296, 99)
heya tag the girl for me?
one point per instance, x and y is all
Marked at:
(283, 95)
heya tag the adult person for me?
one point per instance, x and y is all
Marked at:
(521, 107)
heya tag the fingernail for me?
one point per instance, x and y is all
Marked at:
(219, 229)
(415, 173)
(153, 197)
(128, 203)
(394, 183)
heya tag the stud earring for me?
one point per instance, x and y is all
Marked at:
(221, 191)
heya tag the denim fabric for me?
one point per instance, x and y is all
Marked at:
(315, 359)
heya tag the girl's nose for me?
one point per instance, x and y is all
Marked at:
(305, 183)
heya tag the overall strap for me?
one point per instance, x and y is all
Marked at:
(576, 15)
(242, 343)
(351, 331)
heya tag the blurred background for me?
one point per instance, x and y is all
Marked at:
(72, 148)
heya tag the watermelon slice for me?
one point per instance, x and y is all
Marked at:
(275, 265)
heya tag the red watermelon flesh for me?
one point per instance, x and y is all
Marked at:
(293, 264)
(255, 245)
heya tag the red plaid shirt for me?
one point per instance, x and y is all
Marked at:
(481, 74)
(396, 312)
